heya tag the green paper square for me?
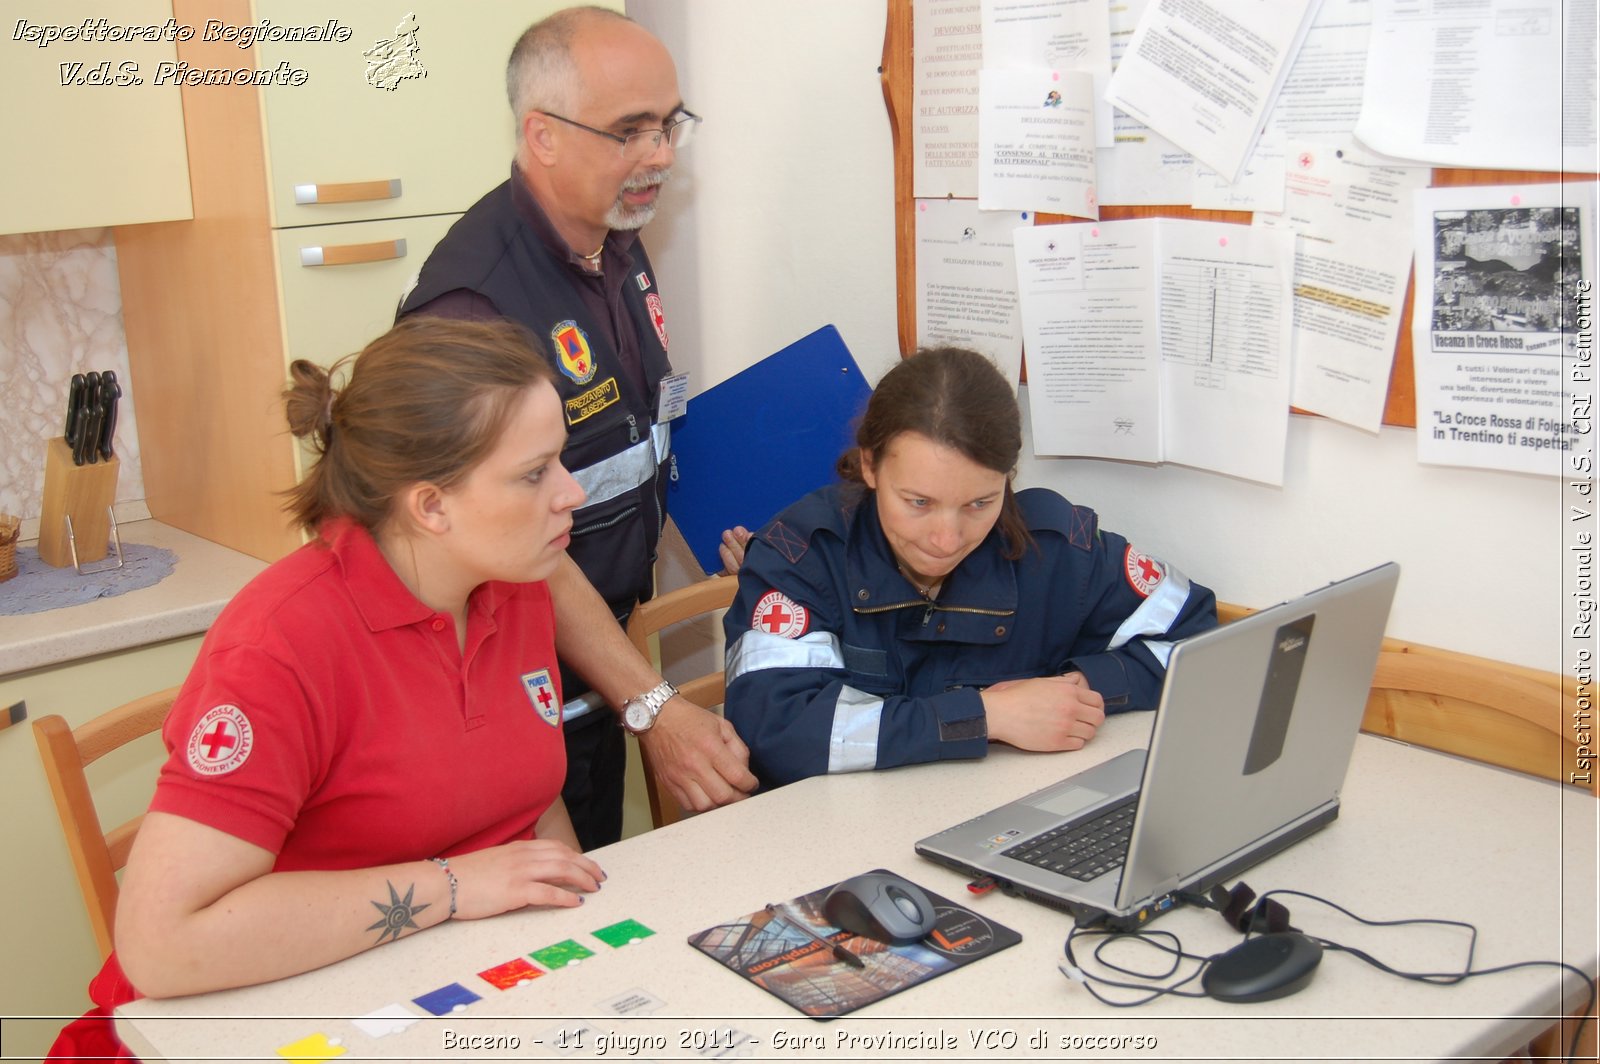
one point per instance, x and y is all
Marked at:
(623, 934)
(561, 954)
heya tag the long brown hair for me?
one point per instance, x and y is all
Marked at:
(424, 403)
(958, 399)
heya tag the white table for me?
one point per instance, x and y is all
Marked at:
(1420, 834)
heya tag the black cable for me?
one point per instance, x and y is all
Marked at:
(1155, 940)
(1074, 971)
(1448, 978)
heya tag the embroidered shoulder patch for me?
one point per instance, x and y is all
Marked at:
(789, 544)
(221, 741)
(542, 693)
(652, 303)
(778, 614)
(1143, 571)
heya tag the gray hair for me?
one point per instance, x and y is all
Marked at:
(541, 76)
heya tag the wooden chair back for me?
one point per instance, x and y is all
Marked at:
(1490, 711)
(697, 600)
(97, 855)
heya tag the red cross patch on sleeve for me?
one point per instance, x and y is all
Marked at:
(1143, 571)
(220, 742)
(778, 614)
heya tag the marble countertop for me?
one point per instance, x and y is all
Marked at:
(183, 604)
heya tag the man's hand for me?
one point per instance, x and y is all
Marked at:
(698, 756)
(734, 542)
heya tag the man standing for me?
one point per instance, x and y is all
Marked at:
(556, 248)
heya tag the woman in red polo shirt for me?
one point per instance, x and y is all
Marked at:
(370, 740)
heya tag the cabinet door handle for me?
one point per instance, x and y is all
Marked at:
(353, 254)
(347, 191)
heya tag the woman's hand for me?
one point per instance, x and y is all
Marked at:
(1045, 713)
(539, 872)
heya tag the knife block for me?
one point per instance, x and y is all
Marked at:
(85, 493)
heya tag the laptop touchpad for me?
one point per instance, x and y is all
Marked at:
(1067, 800)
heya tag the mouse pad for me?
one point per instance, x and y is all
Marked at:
(775, 953)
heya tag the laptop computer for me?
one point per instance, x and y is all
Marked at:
(1247, 756)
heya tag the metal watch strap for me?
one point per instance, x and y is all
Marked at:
(655, 698)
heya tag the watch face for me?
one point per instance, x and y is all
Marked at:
(636, 715)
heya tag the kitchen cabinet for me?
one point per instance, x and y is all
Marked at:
(85, 147)
(371, 174)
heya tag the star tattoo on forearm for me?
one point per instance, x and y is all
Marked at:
(397, 915)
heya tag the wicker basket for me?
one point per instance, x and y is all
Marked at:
(10, 529)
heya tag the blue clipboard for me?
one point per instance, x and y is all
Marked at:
(761, 439)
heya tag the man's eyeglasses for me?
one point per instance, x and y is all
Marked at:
(635, 146)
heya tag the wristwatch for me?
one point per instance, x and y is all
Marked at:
(639, 713)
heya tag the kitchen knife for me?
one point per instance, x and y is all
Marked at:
(110, 392)
(83, 448)
(75, 392)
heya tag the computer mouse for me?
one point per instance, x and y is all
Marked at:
(1263, 968)
(880, 905)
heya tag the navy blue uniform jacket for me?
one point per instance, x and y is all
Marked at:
(836, 663)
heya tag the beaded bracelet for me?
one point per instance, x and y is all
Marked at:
(444, 863)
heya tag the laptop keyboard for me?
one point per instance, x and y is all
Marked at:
(1084, 849)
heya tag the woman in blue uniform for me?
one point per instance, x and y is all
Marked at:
(921, 609)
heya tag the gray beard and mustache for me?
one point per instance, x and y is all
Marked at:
(622, 215)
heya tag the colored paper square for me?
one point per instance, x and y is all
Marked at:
(447, 999)
(380, 1023)
(622, 934)
(312, 1049)
(561, 954)
(512, 973)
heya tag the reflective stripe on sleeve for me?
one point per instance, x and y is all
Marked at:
(762, 650)
(853, 743)
(1162, 651)
(583, 705)
(625, 470)
(1155, 615)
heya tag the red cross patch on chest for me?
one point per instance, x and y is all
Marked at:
(652, 302)
(542, 693)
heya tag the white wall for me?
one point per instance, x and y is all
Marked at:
(779, 218)
(781, 221)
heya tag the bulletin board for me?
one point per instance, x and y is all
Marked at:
(1400, 407)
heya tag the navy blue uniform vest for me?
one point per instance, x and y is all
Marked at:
(611, 448)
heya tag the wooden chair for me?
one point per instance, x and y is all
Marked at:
(97, 855)
(649, 618)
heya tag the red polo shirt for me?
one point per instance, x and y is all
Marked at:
(331, 718)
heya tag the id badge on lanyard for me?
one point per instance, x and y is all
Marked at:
(672, 399)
